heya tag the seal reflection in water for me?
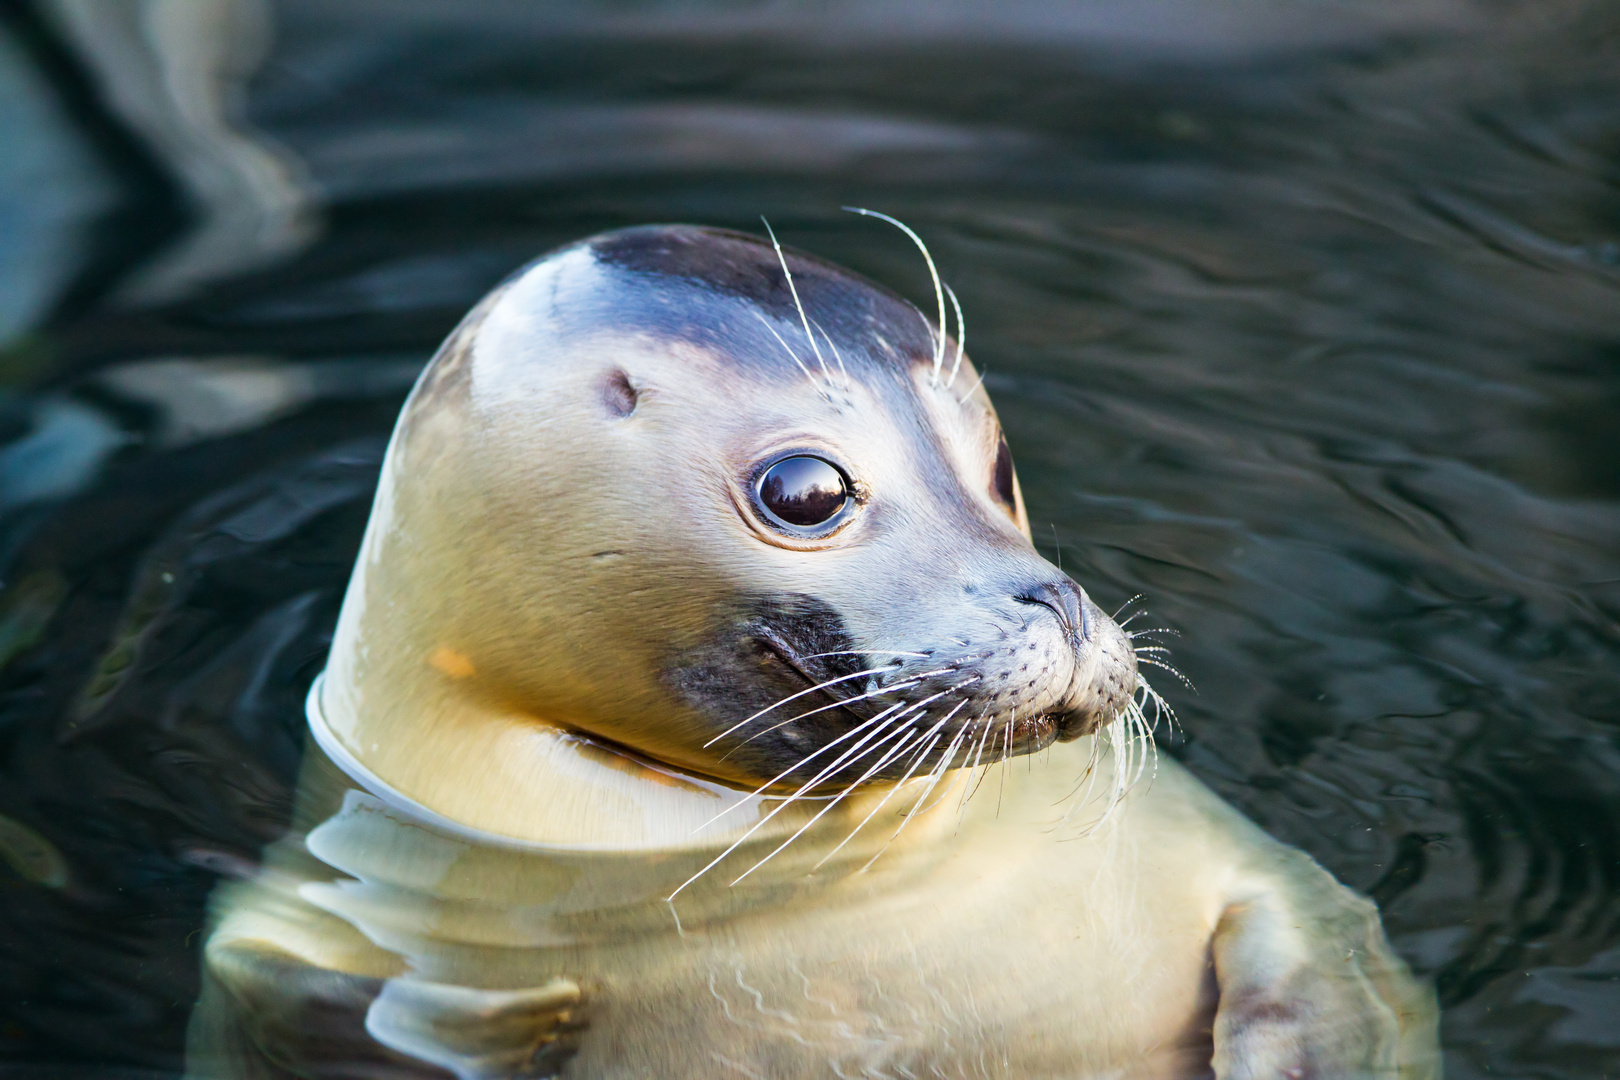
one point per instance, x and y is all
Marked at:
(667, 728)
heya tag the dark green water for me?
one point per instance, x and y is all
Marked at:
(1303, 320)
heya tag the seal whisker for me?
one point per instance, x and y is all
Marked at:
(880, 691)
(854, 753)
(1140, 659)
(895, 737)
(933, 272)
(936, 774)
(865, 652)
(916, 760)
(922, 753)
(773, 781)
(1164, 663)
(836, 354)
(1161, 707)
(1141, 739)
(904, 780)
(891, 715)
(1006, 749)
(895, 711)
(791, 697)
(938, 771)
(794, 289)
(1087, 780)
(795, 796)
(945, 763)
(963, 399)
(789, 350)
(894, 719)
(1152, 653)
(904, 684)
(1129, 738)
(1150, 635)
(961, 336)
(1126, 604)
(978, 753)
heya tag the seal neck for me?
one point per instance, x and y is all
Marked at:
(401, 805)
(785, 853)
(619, 805)
(517, 780)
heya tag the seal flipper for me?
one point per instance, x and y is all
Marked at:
(480, 1034)
(266, 1014)
(1309, 987)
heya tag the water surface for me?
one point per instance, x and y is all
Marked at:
(1303, 320)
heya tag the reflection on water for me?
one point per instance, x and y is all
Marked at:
(1304, 327)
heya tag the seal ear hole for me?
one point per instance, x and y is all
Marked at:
(618, 395)
(1001, 477)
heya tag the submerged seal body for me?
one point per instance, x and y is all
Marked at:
(669, 725)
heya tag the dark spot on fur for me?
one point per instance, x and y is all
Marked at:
(684, 270)
(618, 395)
(771, 648)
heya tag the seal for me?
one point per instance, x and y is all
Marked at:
(670, 724)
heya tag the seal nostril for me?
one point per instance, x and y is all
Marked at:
(1064, 599)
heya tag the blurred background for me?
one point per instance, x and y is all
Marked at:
(1303, 318)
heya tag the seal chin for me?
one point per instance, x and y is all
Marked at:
(1095, 701)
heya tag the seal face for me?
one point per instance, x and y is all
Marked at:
(920, 605)
(741, 512)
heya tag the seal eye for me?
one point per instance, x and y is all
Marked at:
(803, 491)
(1001, 483)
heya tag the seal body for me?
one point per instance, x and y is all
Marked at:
(700, 707)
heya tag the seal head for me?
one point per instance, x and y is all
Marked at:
(718, 509)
